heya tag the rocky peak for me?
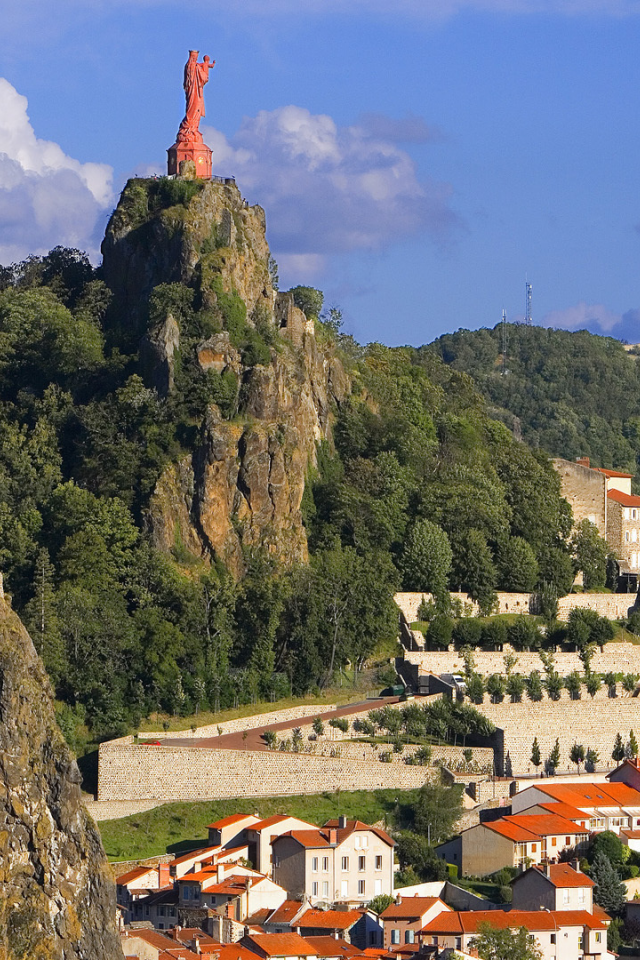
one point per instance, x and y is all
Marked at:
(57, 896)
(242, 484)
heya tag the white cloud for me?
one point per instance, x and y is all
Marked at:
(330, 189)
(46, 197)
(583, 317)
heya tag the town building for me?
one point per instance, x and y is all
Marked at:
(346, 862)
(516, 840)
(600, 806)
(554, 886)
(404, 919)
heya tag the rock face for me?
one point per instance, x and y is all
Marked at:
(57, 896)
(242, 484)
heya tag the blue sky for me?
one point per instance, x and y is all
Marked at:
(416, 159)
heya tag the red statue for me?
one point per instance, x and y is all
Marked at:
(195, 76)
(189, 144)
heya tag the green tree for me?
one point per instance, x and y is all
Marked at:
(308, 299)
(609, 892)
(608, 843)
(505, 944)
(480, 574)
(534, 686)
(475, 688)
(426, 558)
(536, 759)
(496, 687)
(618, 752)
(590, 552)
(577, 755)
(632, 745)
(318, 727)
(42, 619)
(591, 760)
(573, 684)
(518, 567)
(380, 903)
(554, 756)
(437, 810)
(515, 687)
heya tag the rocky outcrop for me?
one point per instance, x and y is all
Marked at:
(242, 484)
(57, 896)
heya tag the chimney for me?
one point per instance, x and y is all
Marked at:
(333, 836)
(342, 822)
(576, 865)
(583, 461)
(398, 899)
(547, 869)
(196, 945)
(164, 875)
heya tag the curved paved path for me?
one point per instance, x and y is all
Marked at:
(253, 739)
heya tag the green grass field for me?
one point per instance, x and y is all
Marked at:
(178, 827)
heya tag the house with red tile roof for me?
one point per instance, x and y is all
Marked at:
(259, 837)
(514, 840)
(230, 830)
(346, 862)
(554, 886)
(229, 891)
(151, 945)
(139, 882)
(278, 946)
(404, 919)
(560, 935)
(612, 805)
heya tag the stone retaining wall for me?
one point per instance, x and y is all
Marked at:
(244, 723)
(612, 658)
(128, 772)
(592, 724)
(616, 606)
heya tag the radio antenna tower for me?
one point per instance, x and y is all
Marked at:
(527, 306)
(504, 341)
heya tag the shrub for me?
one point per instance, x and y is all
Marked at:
(534, 686)
(496, 687)
(494, 634)
(440, 630)
(475, 688)
(340, 723)
(467, 632)
(523, 633)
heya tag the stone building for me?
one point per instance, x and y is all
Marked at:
(604, 498)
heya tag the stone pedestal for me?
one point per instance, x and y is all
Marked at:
(196, 151)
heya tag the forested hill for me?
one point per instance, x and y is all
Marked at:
(209, 495)
(573, 394)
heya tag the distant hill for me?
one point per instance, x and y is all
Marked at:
(572, 394)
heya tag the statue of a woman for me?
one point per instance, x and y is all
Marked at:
(195, 76)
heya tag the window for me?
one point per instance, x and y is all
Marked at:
(565, 896)
(567, 841)
(344, 888)
(580, 942)
(458, 943)
(598, 937)
(345, 864)
(634, 514)
(634, 535)
(276, 861)
(186, 894)
(314, 888)
(552, 938)
(364, 840)
(361, 888)
(362, 864)
(592, 518)
(395, 936)
(554, 841)
(534, 847)
(378, 863)
(314, 865)
(325, 864)
(356, 842)
(325, 889)
(626, 536)
(373, 938)
(581, 895)
(409, 936)
(626, 513)
(377, 887)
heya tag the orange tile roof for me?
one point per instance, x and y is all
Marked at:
(469, 921)
(562, 875)
(154, 938)
(625, 499)
(330, 947)
(204, 852)
(306, 838)
(134, 874)
(231, 951)
(177, 953)
(545, 824)
(612, 473)
(355, 825)
(229, 821)
(286, 911)
(270, 822)
(591, 795)
(280, 944)
(411, 908)
(565, 810)
(329, 919)
(511, 831)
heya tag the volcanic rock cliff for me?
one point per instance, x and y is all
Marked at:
(241, 483)
(57, 896)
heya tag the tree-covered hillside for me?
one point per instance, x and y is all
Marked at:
(573, 394)
(416, 486)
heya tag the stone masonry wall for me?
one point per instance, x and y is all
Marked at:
(245, 723)
(616, 606)
(128, 772)
(612, 658)
(592, 724)
(586, 491)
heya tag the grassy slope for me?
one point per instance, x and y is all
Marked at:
(177, 827)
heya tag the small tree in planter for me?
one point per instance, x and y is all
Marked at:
(318, 727)
(577, 755)
(536, 759)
